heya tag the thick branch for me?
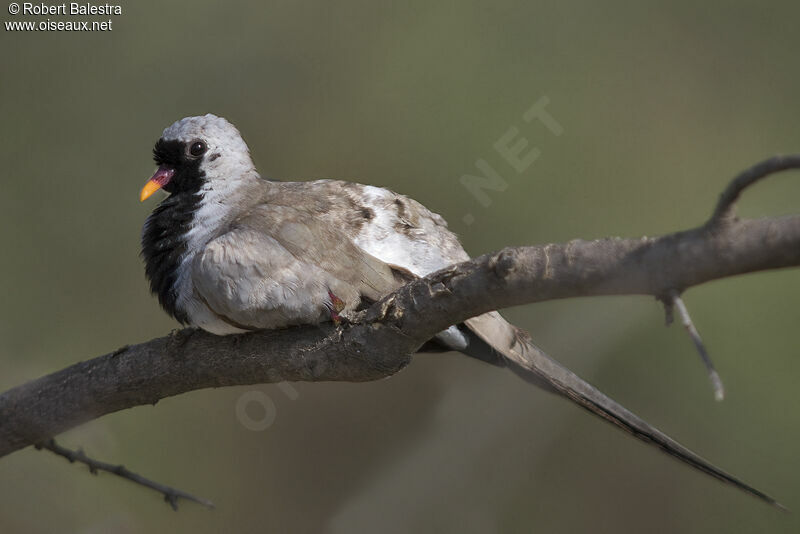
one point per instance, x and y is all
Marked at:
(393, 328)
(381, 343)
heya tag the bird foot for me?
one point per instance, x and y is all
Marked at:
(336, 306)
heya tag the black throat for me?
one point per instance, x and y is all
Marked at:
(164, 241)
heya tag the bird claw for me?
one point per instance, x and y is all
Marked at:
(336, 306)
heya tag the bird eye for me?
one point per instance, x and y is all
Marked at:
(197, 149)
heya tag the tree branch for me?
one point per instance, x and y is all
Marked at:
(171, 495)
(747, 178)
(383, 340)
(713, 376)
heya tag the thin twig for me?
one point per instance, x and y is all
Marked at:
(724, 208)
(716, 382)
(171, 495)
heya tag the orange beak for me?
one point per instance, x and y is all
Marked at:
(161, 178)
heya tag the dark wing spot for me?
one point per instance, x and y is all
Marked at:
(401, 207)
(356, 214)
(403, 225)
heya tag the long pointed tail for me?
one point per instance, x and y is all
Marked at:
(532, 364)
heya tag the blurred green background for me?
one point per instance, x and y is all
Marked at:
(661, 104)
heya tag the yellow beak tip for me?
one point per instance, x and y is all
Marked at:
(149, 188)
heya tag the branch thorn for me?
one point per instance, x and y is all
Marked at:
(674, 301)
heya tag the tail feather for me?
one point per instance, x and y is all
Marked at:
(531, 363)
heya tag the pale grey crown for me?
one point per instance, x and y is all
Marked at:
(227, 153)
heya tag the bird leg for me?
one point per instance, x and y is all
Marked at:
(335, 307)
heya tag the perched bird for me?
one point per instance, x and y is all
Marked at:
(231, 252)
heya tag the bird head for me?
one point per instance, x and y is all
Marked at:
(196, 151)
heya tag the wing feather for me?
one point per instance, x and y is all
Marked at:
(275, 268)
